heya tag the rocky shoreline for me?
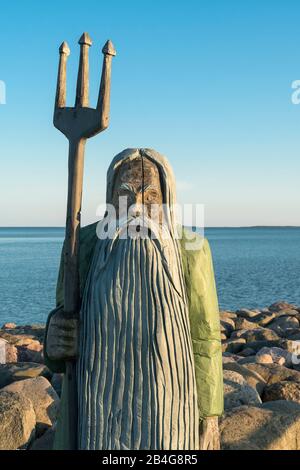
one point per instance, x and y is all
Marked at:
(261, 382)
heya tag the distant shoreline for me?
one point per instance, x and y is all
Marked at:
(208, 227)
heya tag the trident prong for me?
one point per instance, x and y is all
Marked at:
(78, 124)
(82, 121)
(64, 52)
(82, 90)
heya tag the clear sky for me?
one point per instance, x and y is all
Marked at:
(205, 82)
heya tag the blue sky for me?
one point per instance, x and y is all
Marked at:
(205, 82)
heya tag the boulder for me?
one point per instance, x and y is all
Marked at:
(284, 390)
(43, 397)
(12, 372)
(264, 358)
(226, 314)
(276, 356)
(273, 373)
(293, 334)
(263, 319)
(243, 324)
(259, 334)
(247, 352)
(247, 360)
(17, 421)
(8, 326)
(32, 352)
(227, 326)
(252, 378)
(233, 345)
(283, 324)
(237, 392)
(269, 426)
(11, 353)
(281, 305)
(45, 442)
(257, 345)
(246, 313)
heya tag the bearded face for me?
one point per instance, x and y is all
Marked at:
(135, 372)
(138, 182)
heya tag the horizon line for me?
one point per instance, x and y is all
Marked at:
(190, 226)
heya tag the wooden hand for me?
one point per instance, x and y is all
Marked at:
(62, 337)
(209, 434)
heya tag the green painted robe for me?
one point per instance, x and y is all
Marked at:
(204, 325)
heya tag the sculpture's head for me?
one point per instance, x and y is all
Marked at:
(140, 184)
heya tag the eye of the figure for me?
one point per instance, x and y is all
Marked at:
(151, 195)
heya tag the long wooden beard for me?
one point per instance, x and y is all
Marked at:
(136, 377)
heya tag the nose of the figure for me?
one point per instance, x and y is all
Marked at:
(136, 210)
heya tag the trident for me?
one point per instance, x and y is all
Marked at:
(78, 124)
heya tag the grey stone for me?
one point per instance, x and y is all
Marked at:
(246, 313)
(17, 421)
(45, 442)
(233, 345)
(237, 392)
(273, 373)
(43, 397)
(285, 390)
(11, 372)
(282, 324)
(270, 426)
(260, 334)
(244, 324)
(252, 378)
(281, 305)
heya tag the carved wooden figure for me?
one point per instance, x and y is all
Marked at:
(149, 361)
(77, 123)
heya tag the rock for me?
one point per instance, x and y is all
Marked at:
(263, 319)
(284, 390)
(8, 326)
(264, 358)
(237, 392)
(227, 326)
(227, 360)
(293, 334)
(233, 356)
(247, 360)
(43, 397)
(224, 315)
(247, 352)
(270, 426)
(257, 345)
(245, 313)
(45, 442)
(281, 305)
(11, 353)
(233, 345)
(282, 324)
(17, 421)
(260, 334)
(276, 355)
(56, 383)
(243, 324)
(32, 352)
(12, 372)
(252, 378)
(273, 373)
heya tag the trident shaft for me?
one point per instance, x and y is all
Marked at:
(78, 123)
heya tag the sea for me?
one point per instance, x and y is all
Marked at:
(254, 267)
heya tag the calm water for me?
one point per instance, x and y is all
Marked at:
(254, 267)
